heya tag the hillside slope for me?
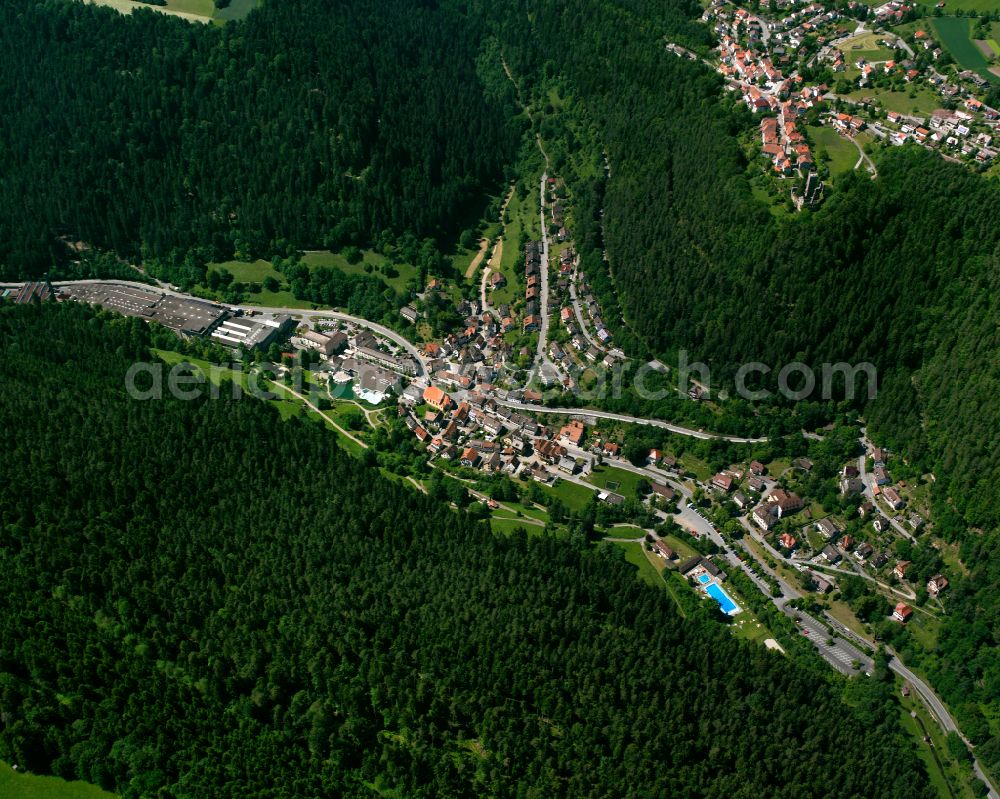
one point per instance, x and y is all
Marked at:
(204, 601)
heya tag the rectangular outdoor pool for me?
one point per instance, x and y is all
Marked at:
(704, 579)
(717, 593)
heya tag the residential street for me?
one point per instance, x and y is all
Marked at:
(548, 371)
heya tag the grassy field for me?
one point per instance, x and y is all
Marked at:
(954, 33)
(681, 547)
(573, 495)
(257, 271)
(617, 480)
(965, 5)
(746, 626)
(944, 771)
(247, 271)
(201, 8)
(506, 526)
(842, 154)
(27, 786)
(635, 553)
(917, 99)
(865, 46)
(523, 215)
(405, 272)
(628, 532)
(176, 8)
(237, 9)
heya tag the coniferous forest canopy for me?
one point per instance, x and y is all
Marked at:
(314, 122)
(203, 601)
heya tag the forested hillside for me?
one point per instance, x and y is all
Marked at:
(884, 271)
(901, 272)
(313, 123)
(203, 601)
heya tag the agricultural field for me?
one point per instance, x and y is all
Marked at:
(27, 786)
(964, 5)
(954, 33)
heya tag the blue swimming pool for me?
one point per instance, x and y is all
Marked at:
(704, 579)
(725, 601)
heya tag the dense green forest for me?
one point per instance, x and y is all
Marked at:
(204, 601)
(313, 123)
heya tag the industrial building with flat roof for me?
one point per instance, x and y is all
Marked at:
(186, 316)
(251, 332)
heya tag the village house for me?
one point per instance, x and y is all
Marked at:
(723, 481)
(851, 485)
(548, 451)
(891, 496)
(831, 554)
(664, 491)
(827, 528)
(787, 502)
(787, 541)
(937, 584)
(572, 433)
(900, 569)
(820, 584)
(763, 517)
(881, 475)
(863, 550)
(664, 551)
(902, 612)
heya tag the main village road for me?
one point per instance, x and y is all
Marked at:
(620, 417)
(305, 314)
